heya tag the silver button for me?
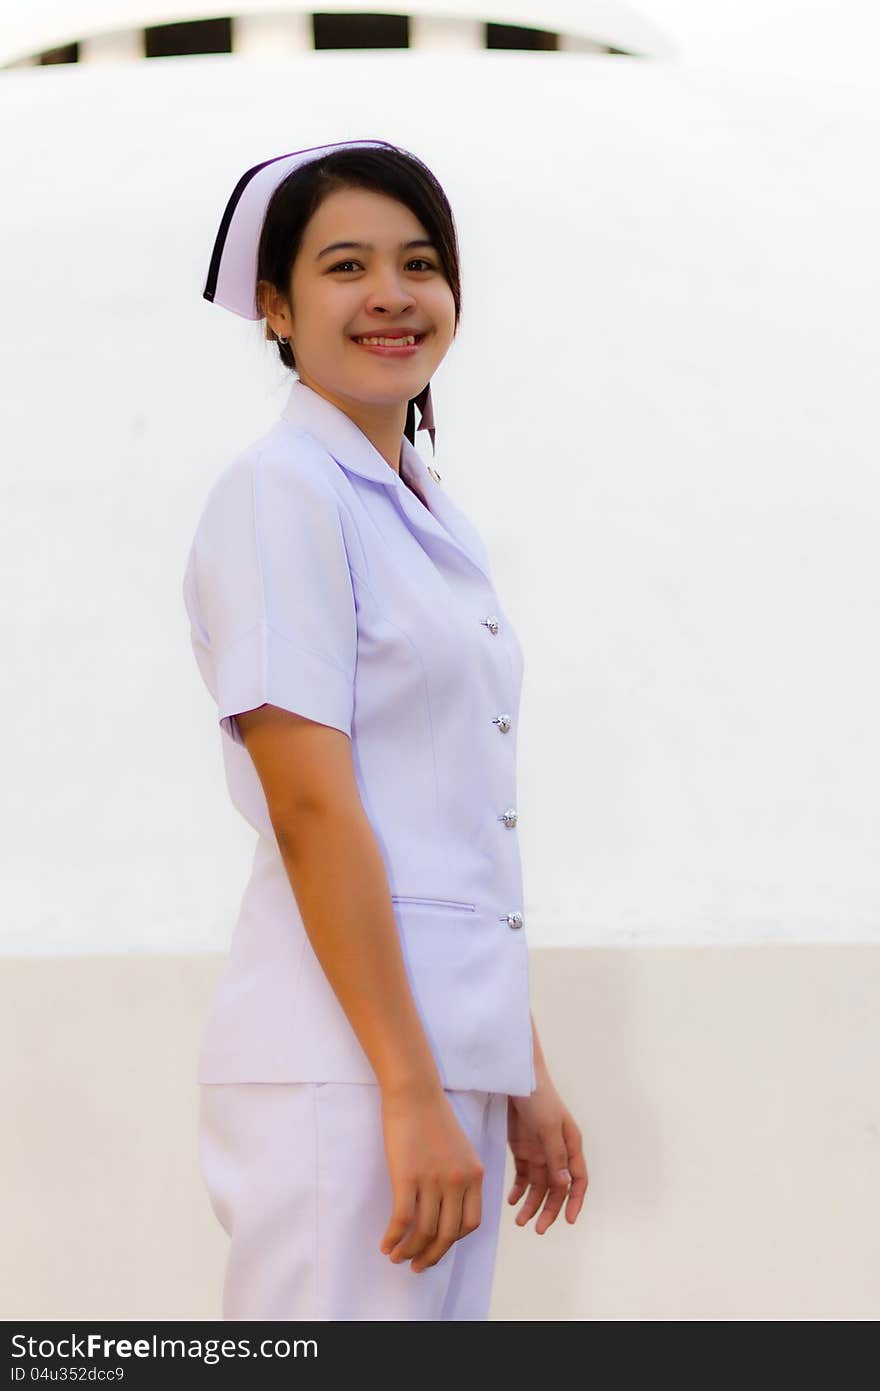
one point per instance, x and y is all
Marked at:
(509, 817)
(513, 919)
(503, 722)
(492, 624)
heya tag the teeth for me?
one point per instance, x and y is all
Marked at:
(388, 342)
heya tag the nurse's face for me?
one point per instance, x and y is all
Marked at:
(352, 291)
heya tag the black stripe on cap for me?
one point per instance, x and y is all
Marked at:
(225, 221)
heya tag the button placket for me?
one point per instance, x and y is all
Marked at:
(509, 817)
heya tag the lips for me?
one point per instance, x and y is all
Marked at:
(397, 348)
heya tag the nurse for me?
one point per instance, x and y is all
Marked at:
(370, 1048)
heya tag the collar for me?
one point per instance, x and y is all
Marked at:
(308, 410)
(440, 520)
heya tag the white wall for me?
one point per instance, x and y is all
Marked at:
(811, 39)
(660, 411)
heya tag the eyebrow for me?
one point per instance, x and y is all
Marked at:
(366, 246)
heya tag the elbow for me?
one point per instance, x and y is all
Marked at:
(296, 825)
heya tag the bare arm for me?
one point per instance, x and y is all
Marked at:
(540, 1060)
(338, 877)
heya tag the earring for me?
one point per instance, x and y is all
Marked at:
(280, 339)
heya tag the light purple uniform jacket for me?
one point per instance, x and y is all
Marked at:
(317, 581)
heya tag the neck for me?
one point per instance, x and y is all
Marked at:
(383, 425)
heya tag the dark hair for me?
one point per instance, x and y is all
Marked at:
(389, 170)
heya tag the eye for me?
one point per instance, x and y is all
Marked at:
(416, 260)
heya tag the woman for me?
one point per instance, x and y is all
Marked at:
(370, 1045)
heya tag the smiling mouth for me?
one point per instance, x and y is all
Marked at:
(394, 340)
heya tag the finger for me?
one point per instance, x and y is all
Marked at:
(402, 1214)
(556, 1195)
(521, 1178)
(471, 1208)
(534, 1199)
(448, 1224)
(536, 1175)
(427, 1215)
(560, 1179)
(580, 1181)
(518, 1187)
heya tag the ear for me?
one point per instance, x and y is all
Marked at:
(271, 304)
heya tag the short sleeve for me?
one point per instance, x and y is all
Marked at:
(275, 593)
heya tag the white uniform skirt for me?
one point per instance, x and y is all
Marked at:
(297, 1176)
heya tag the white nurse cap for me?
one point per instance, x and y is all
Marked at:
(232, 273)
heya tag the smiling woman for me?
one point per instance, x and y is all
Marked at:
(383, 204)
(366, 680)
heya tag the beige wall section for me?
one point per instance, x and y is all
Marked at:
(728, 1096)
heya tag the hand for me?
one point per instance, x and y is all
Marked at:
(436, 1177)
(546, 1145)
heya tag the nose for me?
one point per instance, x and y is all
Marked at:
(388, 289)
